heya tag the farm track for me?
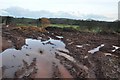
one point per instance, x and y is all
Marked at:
(101, 64)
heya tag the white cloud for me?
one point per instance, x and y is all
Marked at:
(4, 13)
(63, 5)
(97, 7)
(21, 12)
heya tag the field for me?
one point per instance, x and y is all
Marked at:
(75, 53)
(60, 39)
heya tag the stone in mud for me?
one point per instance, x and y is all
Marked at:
(41, 52)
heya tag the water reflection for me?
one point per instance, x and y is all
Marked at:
(95, 49)
(116, 47)
(60, 37)
(35, 57)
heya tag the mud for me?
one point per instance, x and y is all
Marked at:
(103, 63)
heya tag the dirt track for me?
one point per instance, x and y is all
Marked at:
(101, 64)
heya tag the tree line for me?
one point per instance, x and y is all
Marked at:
(89, 24)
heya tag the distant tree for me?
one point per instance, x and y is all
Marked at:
(44, 22)
(9, 20)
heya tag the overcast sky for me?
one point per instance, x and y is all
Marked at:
(96, 9)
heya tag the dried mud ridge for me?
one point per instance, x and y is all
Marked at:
(104, 63)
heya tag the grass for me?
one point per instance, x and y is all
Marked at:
(25, 25)
(79, 28)
(96, 29)
(76, 27)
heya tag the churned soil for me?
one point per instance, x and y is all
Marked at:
(104, 63)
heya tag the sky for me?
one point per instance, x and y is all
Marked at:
(75, 9)
(119, 11)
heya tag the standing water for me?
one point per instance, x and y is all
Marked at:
(36, 58)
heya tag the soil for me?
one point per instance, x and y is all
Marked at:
(101, 64)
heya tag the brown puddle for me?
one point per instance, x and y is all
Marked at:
(35, 59)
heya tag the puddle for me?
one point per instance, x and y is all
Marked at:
(79, 46)
(95, 49)
(35, 55)
(60, 37)
(116, 47)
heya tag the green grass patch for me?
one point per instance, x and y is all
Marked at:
(76, 27)
(25, 25)
(93, 29)
(79, 28)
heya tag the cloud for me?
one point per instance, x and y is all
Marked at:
(21, 12)
(4, 13)
(94, 16)
(119, 10)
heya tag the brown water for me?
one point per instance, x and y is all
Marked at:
(35, 59)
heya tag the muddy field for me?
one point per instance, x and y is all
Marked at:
(90, 56)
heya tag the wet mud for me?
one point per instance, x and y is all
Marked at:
(59, 53)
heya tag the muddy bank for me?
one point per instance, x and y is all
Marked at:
(17, 35)
(91, 59)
